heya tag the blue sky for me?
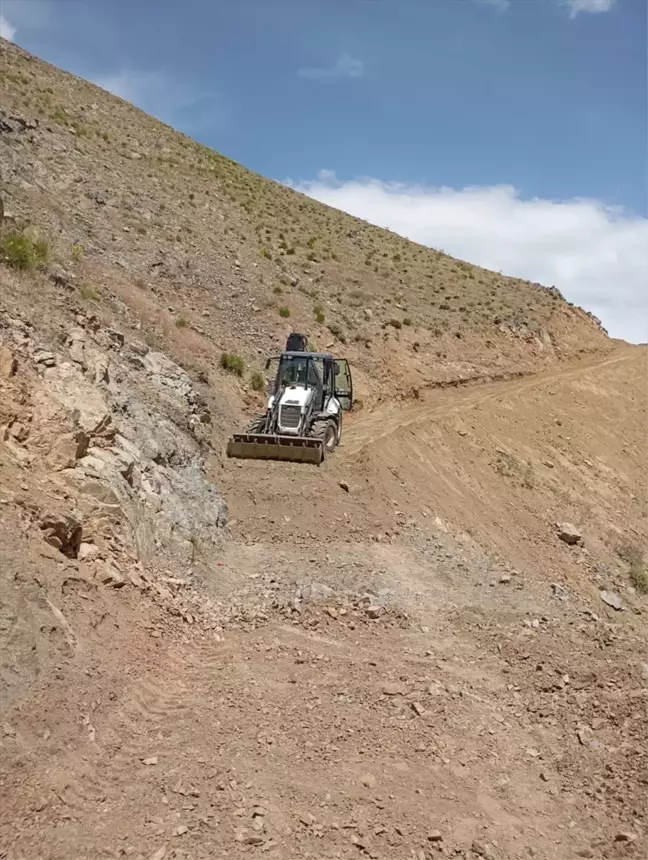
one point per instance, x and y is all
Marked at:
(545, 97)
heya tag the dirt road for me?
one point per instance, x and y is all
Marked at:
(414, 665)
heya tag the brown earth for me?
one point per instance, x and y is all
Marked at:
(394, 655)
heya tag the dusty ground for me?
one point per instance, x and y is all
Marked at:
(492, 709)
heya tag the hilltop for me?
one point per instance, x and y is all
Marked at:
(431, 646)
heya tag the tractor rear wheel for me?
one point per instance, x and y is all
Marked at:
(327, 432)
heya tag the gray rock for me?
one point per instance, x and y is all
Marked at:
(314, 591)
(612, 599)
(568, 533)
(374, 610)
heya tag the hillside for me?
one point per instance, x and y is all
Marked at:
(189, 239)
(432, 646)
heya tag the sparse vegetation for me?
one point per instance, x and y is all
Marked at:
(318, 312)
(284, 312)
(637, 568)
(19, 251)
(232, 363)
(182, 322)
(257, 381)
(88, 293)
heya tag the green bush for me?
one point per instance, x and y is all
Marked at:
(396, 323)
(89, 293)
(318, 312)
(232, 363)
(182, 322)
(284, 312)
(257, 381)
(20, 252)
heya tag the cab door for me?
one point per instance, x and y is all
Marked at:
(343, 384)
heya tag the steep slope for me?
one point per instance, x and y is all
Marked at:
(189, 239)
(396, 654)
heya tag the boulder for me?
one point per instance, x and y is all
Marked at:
(568, 533)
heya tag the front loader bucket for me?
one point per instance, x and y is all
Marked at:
(260, 446)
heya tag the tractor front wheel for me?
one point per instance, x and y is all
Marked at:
(327, 432)
(257, 425)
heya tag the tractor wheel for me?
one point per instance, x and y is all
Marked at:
(257, 425)
(327, 432)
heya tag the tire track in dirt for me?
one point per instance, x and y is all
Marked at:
(388, 421)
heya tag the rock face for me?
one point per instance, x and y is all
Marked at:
(124, 439)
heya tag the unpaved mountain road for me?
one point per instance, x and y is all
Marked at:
(398, 418)
(483, 713)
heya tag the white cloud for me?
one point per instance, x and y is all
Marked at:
(500, 5)
(597, 255)
(576, 6)
(7, 30)
(345, 67)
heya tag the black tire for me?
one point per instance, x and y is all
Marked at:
(327, 432)
(257, 425)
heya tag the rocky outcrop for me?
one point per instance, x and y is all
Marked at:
(120, 430)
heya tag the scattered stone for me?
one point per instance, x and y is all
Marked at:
(505, 577)
(76, 346)
(625, 837)
(418, 708)
(151, 760)
(253, 839)
(100, 370)
(62, 532)
(368, 780)
(394, 689)
(19, 431)
(160, 854)
(374, 610)
(569, 534)
(44, 357)
(109, 575)
(180, 830)
(612, 599)
(8, 363)
(314, 591)
(435, 836)
(344, 486)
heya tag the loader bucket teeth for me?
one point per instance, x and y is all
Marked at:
(259, 446)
